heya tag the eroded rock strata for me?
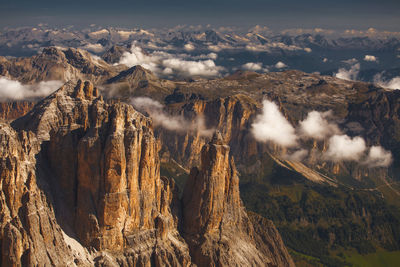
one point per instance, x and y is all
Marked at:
(216, 225)
(81, 185)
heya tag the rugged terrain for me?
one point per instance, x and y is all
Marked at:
(325, 210)
(81, 185)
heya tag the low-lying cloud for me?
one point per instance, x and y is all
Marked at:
(165, 64)
(280, 65)
(317, 126)
(370, 58)
(390, 84)
(253, 66)
(343, 147)
(272, 126)
(378, 157)
(349, 74)
(14, 90)
(96, 48)
(170, 122)
(298, 155)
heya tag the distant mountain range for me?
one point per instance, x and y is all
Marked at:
(256, 49)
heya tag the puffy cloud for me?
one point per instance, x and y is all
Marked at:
(168, 121)
(14, 90)
(370, 58)
(192, 68)
(96, 48)
(390, 84)
(280, 65)
(146, 103)
(343, 147)
(252, 66)
(317, 126)
(189, 47)
(348, 74)
(378, 157)
(163, 63)
(272, 126)
(308, 50)
(325, 60)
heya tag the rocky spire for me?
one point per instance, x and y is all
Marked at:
(215, 223)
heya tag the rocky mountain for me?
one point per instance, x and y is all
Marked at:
(310, 50)
(81, 186)
(315, 201)
(216, 225)
(56, 64)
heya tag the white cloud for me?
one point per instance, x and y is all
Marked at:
(317, 126)
(298, 155)
(14, 90)
(189, 47)
(252, 66)
(280, 65)
(390, 84)
(163, 63)
(190, 68)
(96, 48)
(325, 60)
(348, 74)
(370, 58)
(308, 50)
(343, 147)
(168, 121)
(271, 125)
(378, 157)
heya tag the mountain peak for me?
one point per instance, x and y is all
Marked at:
(217, 138)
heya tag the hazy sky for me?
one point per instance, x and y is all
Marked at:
(277, 14)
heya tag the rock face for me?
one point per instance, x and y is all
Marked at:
(57, 64)
(30, 235)
(100, 165)
(215, 223)
(81, 186)
(12, 110)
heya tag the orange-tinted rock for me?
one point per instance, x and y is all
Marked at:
(11, 110)
(215, 223)
(101, 164)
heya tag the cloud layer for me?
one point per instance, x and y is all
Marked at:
(165, 64)
(14, 90)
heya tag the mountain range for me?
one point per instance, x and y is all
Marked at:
(315, 155)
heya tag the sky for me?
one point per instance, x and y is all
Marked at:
(276, 14)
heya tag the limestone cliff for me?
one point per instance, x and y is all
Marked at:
(12, 110)
(215, 223)
(233, 116)
(98, 169)
(81, 186)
